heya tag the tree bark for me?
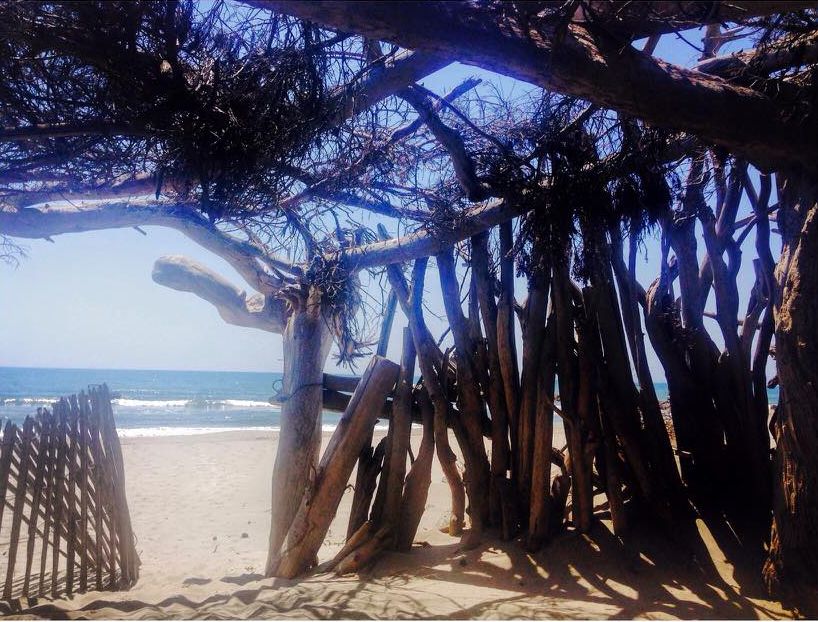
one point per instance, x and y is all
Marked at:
(416, 488)
(480, 263)
(793, 558)
(506, 337)
(318, 507)
(469, 401)
(307, 341)
(539, 518)
(582, 62)
(533, 332)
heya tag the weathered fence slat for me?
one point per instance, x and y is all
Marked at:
(19, 505)
(9, 434)
(63, 479)
(37, 494)
(57, 499)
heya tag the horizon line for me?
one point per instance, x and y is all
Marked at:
(227, 371)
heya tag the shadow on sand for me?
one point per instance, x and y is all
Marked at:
(701, 571)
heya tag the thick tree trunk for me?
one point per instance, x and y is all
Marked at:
(307, 341)
(318, 508)
(793, 559)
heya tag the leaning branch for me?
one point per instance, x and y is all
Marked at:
(428, 241)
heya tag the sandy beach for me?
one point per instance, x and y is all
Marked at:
(201, 509)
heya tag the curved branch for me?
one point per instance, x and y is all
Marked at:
(233, 304)
(247, 258)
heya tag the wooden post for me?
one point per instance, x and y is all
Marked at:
(540, 515)
(533, 332)
(100, 489)
(416, 487)
(57, 499)
(402, 431)
(500, 451)
(307, 341)
(337, 463)
(370, 463)
(506, 340)
(470, 402)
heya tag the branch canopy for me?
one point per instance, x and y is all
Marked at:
(594, 66)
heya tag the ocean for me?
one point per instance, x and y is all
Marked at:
(155, 402)
(162, 402)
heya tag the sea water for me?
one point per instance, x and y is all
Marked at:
(156, 402)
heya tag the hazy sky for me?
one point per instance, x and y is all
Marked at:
(87, 300)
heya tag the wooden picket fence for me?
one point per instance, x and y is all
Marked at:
(64, 520)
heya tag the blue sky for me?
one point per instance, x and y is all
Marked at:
(87, 300)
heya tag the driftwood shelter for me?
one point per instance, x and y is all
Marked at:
(715, 159)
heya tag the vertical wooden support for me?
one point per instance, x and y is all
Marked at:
(19, 505)
(337, 463)
(416, 487)
(402, 431)
(539, 514)
(370, 464)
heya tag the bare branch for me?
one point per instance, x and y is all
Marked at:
(234, 306)
(247, 258)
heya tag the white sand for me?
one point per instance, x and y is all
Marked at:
(200, 507)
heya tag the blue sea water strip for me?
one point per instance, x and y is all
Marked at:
(162, 402)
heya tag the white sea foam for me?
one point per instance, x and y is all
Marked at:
(192, 403)
(150, 403)
(191, 431)
(25, 401)
(174, 431)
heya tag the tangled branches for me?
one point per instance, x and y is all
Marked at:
(211, 104)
